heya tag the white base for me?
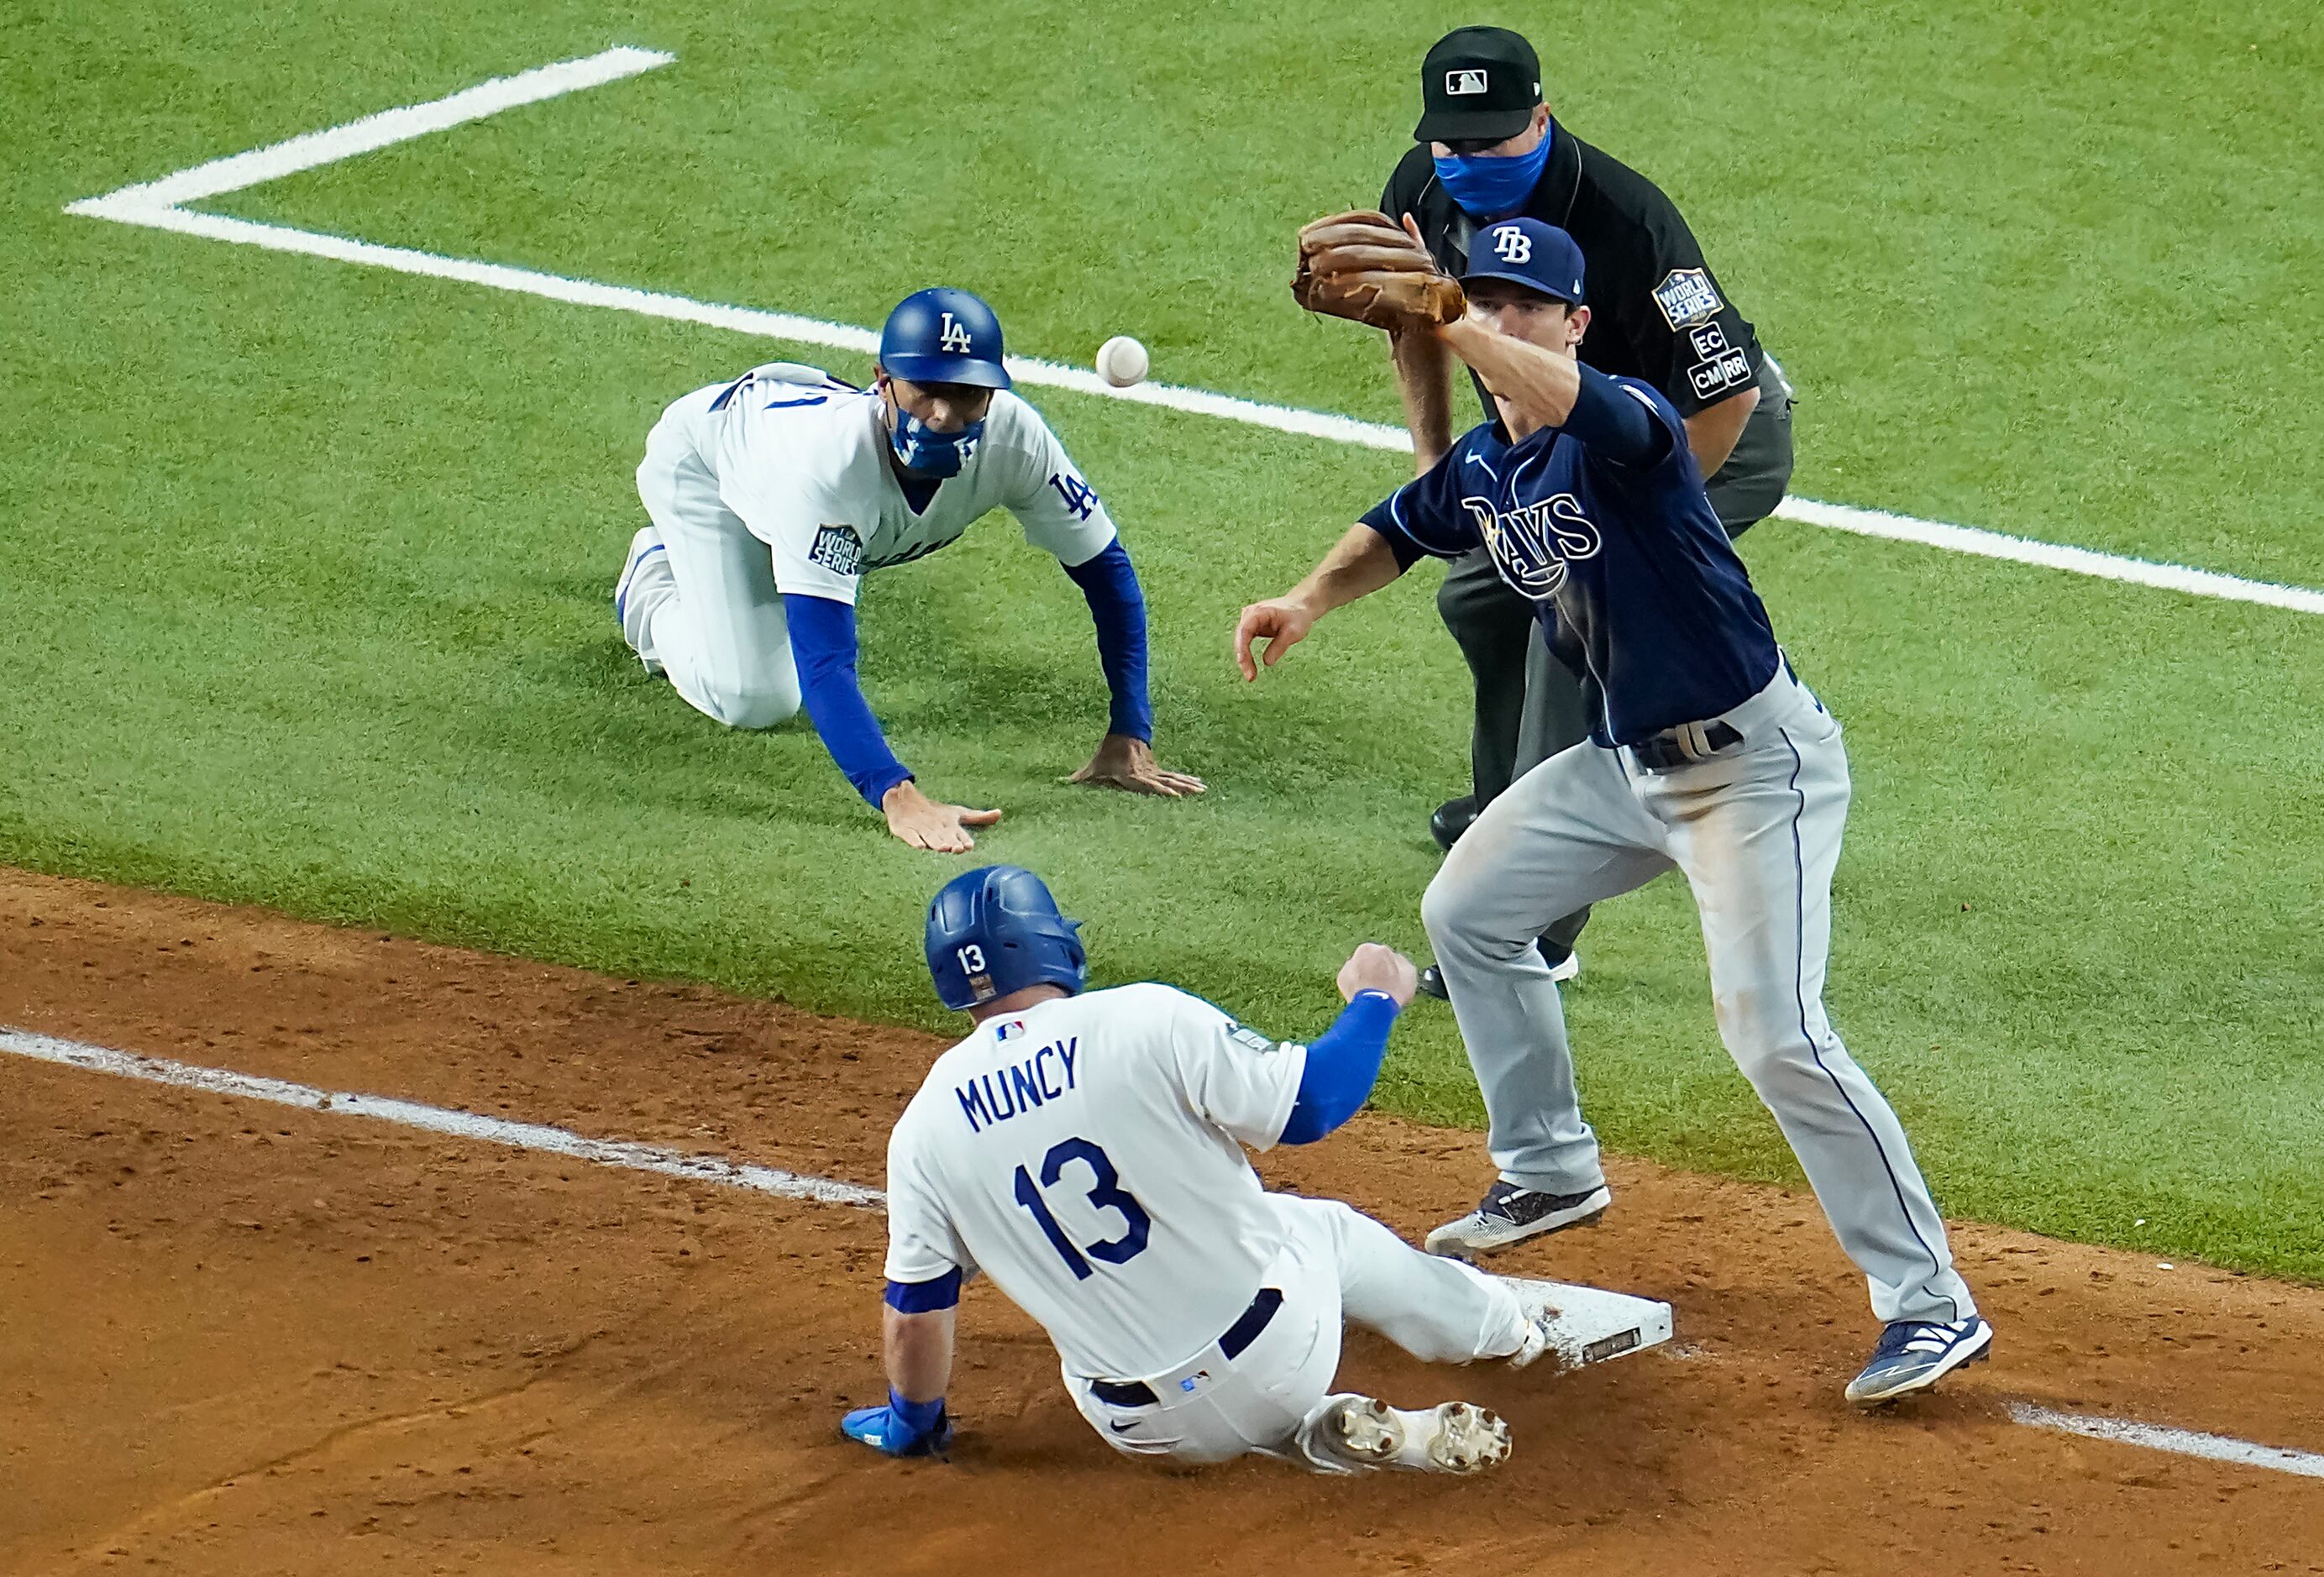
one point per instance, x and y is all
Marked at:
(1593, 1325)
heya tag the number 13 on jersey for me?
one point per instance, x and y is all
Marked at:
(1104, 1192)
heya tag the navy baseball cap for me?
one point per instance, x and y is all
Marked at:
(1529, 253)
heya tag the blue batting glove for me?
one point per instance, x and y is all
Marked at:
(901, 1428)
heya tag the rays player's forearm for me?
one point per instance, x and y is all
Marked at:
(919, 1350)
(1358, 564)
(1712, 431)
(1343, 1064)
(1423, 380)
(823, 648)
(1537, 385)
(1118, 608)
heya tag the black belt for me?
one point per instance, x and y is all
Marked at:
(1660, 753)
(1240, 1335)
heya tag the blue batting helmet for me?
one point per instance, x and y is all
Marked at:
(943, 335)
(997, 930)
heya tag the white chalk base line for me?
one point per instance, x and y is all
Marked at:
(524, 1136)
(159, 205)
(634, 1156)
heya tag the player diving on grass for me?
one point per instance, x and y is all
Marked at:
(1707, 755)
(773, 495)
(1085, 1152)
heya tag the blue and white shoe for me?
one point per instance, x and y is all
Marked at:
(646, 572)
(1510, 1214)
(1916, 1354)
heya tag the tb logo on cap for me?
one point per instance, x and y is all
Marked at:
(954, 338)
(1458, 84)
(1511, 244)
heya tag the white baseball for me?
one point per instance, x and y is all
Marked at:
(1121, 360)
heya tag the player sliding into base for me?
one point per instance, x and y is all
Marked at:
(773, 495)
(1707, 755)
(1084, 1150)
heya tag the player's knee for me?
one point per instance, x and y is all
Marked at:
(1460, 917)
(1766, 1034)
(753, 705)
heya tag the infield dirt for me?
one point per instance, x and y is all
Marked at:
(236, 1338)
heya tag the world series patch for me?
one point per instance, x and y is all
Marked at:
(838, 550)
(1686, 296)
(1252, 1040)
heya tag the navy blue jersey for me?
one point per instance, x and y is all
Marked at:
(1628, 568)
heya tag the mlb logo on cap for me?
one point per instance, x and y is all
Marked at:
(1458, 84)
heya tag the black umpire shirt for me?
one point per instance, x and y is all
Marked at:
(1656, 311)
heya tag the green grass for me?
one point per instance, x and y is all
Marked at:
(308, 563)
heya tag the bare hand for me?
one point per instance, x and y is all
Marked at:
(925, 824)
(1375, 968)
(1127, 762)
(1280, 622)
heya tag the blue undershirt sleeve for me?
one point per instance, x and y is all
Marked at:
(823, 647)
(1342, 1063)
(1613, 426)
(921, 1297)
(1119, 607)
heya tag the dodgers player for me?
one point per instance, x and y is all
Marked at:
(1085, 1150)
(1707, 755)
(772, 494)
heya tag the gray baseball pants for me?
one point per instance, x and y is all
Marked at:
(1755, 830)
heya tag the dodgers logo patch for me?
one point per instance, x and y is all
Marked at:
(838, 550)
(1686, 296)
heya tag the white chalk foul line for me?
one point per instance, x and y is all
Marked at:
(2217, 1448)
(158, 205)
(444, 1120)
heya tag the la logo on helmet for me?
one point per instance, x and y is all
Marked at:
(1513, 244)
(954, 338)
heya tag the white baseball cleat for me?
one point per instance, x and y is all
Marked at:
(1364, 1432)
(645, 576)
(1510, 1214)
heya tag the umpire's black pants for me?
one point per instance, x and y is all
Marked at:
(1529, 705)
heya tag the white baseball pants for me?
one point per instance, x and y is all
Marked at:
(1755, 830)
(1336, 1263)
(715, 626)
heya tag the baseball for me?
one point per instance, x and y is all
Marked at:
(1121, 360)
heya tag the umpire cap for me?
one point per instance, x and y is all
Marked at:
(943, 335)
(1478, 82)
(996, 930)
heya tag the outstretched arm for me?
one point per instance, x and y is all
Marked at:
(1125, 757)
(1537, 388)
(916, 1324)
(823, 648)
(1358, 564)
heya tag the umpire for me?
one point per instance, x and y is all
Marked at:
(1488, 147)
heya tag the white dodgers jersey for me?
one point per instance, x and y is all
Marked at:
(1087, 1154)
(802, 459)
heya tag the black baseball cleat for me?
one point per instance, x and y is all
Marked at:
(1450, 819)
(1509, 1214)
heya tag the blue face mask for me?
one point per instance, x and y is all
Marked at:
(928, 452)
(1494, 188)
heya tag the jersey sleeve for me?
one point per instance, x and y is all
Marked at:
(1061, 512)
(1236, 1077)
(1690, 341)
(1671, 465)
(1425, 516)
(923, 1244)
(817, 544)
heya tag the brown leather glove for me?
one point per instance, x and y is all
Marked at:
(1364, 266)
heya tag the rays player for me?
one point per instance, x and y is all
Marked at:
(772, 495)
(1085, 1152)
(1707, 755)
